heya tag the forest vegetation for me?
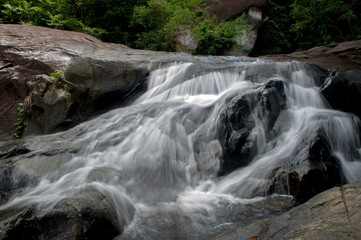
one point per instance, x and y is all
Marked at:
(153, 24)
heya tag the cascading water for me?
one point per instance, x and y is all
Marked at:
(157, 160)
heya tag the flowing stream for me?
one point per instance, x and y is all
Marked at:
(157, 160)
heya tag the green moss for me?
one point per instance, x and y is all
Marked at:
(19, 125)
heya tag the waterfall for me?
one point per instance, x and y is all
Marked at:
(157, 161)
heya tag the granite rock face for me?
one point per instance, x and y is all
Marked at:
(333, 214)
(340, 56)
(93, 75)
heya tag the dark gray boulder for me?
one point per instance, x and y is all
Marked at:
(311, 171)
(343, 91)
(12, 181)
(87, 215)
(240, 117)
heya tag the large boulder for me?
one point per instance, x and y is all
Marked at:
(309, 172)
(241, 116)
(61, 77)
(334, 214)
(343, 91)
(87, 215)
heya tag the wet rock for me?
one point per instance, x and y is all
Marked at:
(14, 152)
(13, 181)
(343, 91)
(87, 215)
(240, 119)
(93, 75)
(311, 171)
(333, 214)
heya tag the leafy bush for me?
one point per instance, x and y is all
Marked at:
(216, 39)
(14, 11)
(161, 20)
(275, 36)
(158, 21)
(321, 22)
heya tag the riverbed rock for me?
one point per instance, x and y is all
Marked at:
(14, 152)
(311, 171)
(239, 118)
(333, 214)
(92, 75)
(86, 215)
(339, 56)
(343, 91)
(13, 181)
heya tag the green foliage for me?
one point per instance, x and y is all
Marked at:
(14, 11)
(274, 36)
(153, 24)
(321, 22)
(50, 13)
(19, 125)
(66, 89)
(55, 76)
(146, 24)
(311, 23)
(108, 19)
(161, 20)
(216, 39)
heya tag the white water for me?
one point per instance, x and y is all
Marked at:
(162, 155)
